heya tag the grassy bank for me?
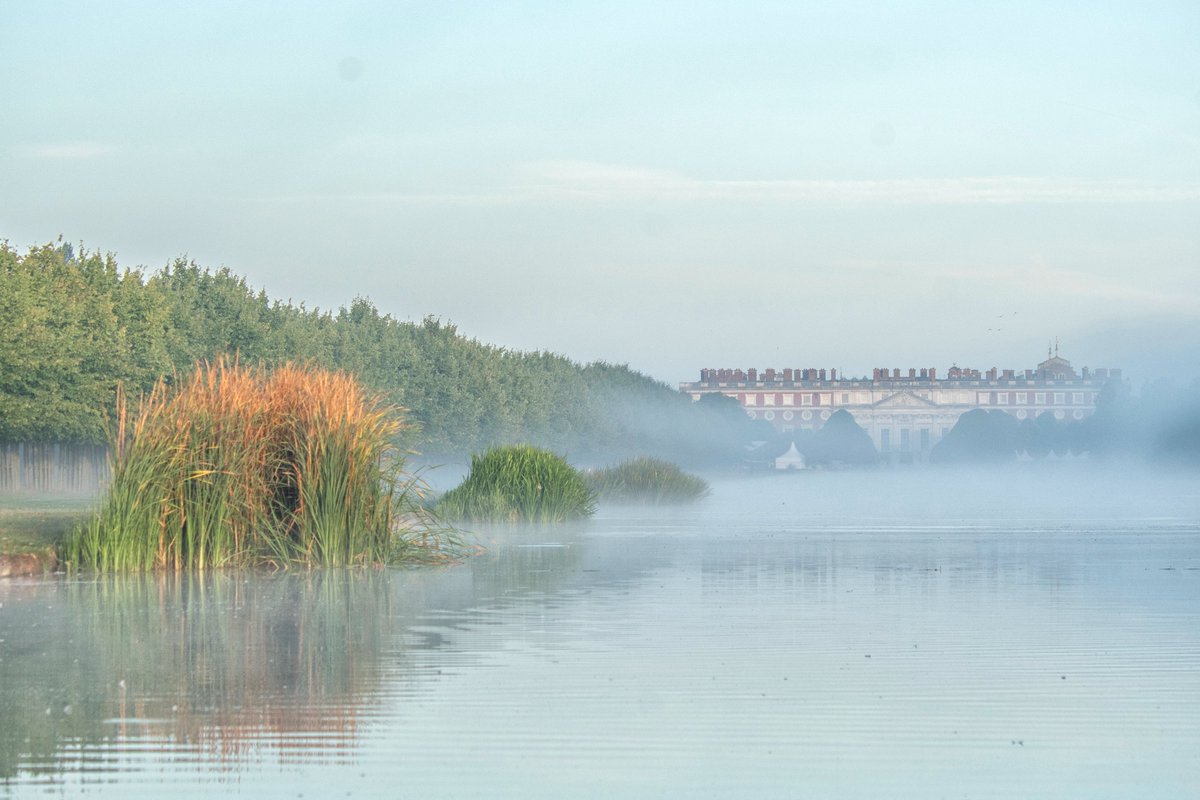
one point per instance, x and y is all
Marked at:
(33, 528)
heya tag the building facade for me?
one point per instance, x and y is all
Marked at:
(906, 413)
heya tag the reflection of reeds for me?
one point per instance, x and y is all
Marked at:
(519, 484)
(646, 480)
(228, 662)
(235, 465)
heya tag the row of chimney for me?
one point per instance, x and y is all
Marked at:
(882, 374)
(768, 375)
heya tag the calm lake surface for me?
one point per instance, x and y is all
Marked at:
(1034, 633)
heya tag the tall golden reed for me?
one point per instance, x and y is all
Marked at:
(237, 465)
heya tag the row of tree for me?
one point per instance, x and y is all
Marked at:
(1160, 425)
(75, 325)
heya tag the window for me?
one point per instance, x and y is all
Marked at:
(845, 398)
(1077, 398)
(1040, 398)
(751, 399)
(885, 441)
(1002, 398)
(806, 399)
(789, 399)
(1022, 398)
(905, 440)
(985, 398)
(924, 439)
(1060, 398)
(768, 399)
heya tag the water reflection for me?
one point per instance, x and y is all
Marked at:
(215, 663)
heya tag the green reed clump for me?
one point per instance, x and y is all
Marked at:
(646, 480)
(519, 484)
(236, 465)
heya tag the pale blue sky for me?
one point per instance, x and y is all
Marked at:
(672, 185)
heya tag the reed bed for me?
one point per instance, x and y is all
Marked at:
(235, 465)
(645, 480)
(519, 483)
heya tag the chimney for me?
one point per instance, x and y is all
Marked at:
(833, 374)
(933, 373)
(822, 373)
(787, 374)
(752, 375)
(912, 373)
(896, 374)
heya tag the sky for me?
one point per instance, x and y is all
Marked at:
(669, 185)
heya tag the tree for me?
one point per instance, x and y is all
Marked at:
(979, 436)
(841, 440)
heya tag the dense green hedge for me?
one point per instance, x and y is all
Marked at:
(73, 325)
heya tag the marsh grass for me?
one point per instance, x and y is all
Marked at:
(237, 465)
(519, 484)
(646, 480)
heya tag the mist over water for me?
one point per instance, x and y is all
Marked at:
(1029, 631)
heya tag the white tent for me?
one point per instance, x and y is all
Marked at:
(792, 459)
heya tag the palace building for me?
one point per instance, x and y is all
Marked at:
(906, 413)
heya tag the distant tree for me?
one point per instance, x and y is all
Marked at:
(840, 440)
(979, 436)
(1044, 435)
(1111, 428)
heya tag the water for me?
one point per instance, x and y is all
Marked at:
(823, 635)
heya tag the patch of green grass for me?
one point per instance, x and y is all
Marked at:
(34, 522)
(519, 484)
(646, 480)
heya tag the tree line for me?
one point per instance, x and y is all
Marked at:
(1161, 424)
(75, 325)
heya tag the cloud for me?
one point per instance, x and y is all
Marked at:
(64, 150)
(1070, 286)
(586, 182)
